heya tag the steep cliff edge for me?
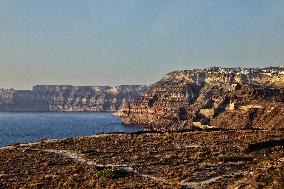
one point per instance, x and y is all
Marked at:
(69, 98)
(231, 98)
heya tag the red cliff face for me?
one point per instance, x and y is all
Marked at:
(205, 98)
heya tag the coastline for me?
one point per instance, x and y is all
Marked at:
(29, 126)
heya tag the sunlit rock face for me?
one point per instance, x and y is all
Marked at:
(69, 98)
(232, 98)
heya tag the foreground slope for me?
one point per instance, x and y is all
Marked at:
(219, 159)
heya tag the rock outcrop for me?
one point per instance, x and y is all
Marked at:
(211, 97)
(69, 98)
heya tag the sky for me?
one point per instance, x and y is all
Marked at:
(113, 42)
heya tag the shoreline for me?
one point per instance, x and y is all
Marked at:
(16, 128)
(133, 133)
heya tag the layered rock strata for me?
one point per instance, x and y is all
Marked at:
(69, 98)
(207, 98)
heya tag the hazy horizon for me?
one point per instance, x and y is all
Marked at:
(116, 42)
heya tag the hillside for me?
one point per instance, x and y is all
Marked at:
(223, 159)
(230, 98)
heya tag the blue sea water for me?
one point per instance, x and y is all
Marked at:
(29, 127)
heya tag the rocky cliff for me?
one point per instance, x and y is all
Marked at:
(69, 98)
(231, 98)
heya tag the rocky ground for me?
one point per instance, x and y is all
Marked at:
(193, 159)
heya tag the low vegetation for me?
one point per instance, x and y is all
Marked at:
(158, 160)
(233, 158)
(108, 173)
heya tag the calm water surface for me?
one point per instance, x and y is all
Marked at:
(28, 127)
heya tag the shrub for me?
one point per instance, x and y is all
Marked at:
(108, 173)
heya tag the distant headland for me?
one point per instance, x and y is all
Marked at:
(68, 98)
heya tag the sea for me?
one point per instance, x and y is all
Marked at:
(30, 127)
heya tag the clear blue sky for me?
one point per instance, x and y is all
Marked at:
(112, 42)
